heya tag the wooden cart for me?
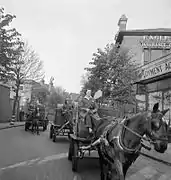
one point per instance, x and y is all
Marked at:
(61, 126)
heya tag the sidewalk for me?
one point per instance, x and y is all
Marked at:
(7, 125)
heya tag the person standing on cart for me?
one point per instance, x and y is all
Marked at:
(91, 116)
(67, 110)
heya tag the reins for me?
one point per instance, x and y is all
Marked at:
(133, 132)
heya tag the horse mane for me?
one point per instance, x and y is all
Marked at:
(143, 115)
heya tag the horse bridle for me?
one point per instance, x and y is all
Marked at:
(152, 139)
(151, 134)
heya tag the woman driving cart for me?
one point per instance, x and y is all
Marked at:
(88, 109)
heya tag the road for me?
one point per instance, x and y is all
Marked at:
(24, 156)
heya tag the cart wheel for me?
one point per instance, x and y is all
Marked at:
(70, 153)
(51, 132)
(74, 157)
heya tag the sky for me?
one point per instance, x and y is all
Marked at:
(65, 33)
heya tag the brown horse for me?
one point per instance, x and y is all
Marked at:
(124, 141)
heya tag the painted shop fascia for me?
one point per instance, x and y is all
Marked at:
(155, 68)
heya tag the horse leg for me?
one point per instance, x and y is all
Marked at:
(128, 163)
(116, 170)
(109, 173)
(101, 161)
(32, 127)
(37, 125)
(125, 169)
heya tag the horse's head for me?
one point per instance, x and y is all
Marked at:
(157, 129)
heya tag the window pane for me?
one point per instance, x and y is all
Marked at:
(165, 52)
(155, 97)
(155, 54)
(146, 56)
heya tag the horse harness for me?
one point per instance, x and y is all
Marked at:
(107, 146)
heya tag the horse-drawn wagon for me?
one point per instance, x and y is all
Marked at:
(112, 141)
(62, 124)
(42, 121)
(80, 138)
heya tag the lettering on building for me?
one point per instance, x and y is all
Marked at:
(168, 66)
(159, 42)
(154, 70)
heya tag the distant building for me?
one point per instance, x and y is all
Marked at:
(28, 92)
(74, 96)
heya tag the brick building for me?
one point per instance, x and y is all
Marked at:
(151, 52)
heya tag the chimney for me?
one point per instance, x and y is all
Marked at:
(122, 23)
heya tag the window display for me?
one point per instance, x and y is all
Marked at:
(155, 97)
(167, 104)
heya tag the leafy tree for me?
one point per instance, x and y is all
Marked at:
(57, 96)
(112, 70)
(10, 46)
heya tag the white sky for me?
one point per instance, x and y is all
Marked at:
(66, 33)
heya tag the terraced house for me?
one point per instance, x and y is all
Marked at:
(151, 50)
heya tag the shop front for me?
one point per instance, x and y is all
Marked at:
(154, 85)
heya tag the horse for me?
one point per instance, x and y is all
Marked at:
(35, 121)
(123, 141)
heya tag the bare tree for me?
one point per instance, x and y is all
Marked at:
(30, 65)
(27, 66)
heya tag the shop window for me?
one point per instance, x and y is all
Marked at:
(167, 104)
(155, 54)
(155, 97)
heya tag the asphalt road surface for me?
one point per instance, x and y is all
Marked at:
(24, 156)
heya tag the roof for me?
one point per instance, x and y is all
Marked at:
(143, 32)
(152, 30)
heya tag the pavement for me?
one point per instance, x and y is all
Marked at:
(25, 156)
(7, 125)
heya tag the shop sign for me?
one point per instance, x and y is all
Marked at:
(156, 42)
(154, 69)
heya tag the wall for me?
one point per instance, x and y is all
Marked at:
(134, 46)
(141, 56)
(5, 106)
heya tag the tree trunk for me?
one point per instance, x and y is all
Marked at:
(15, 101)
